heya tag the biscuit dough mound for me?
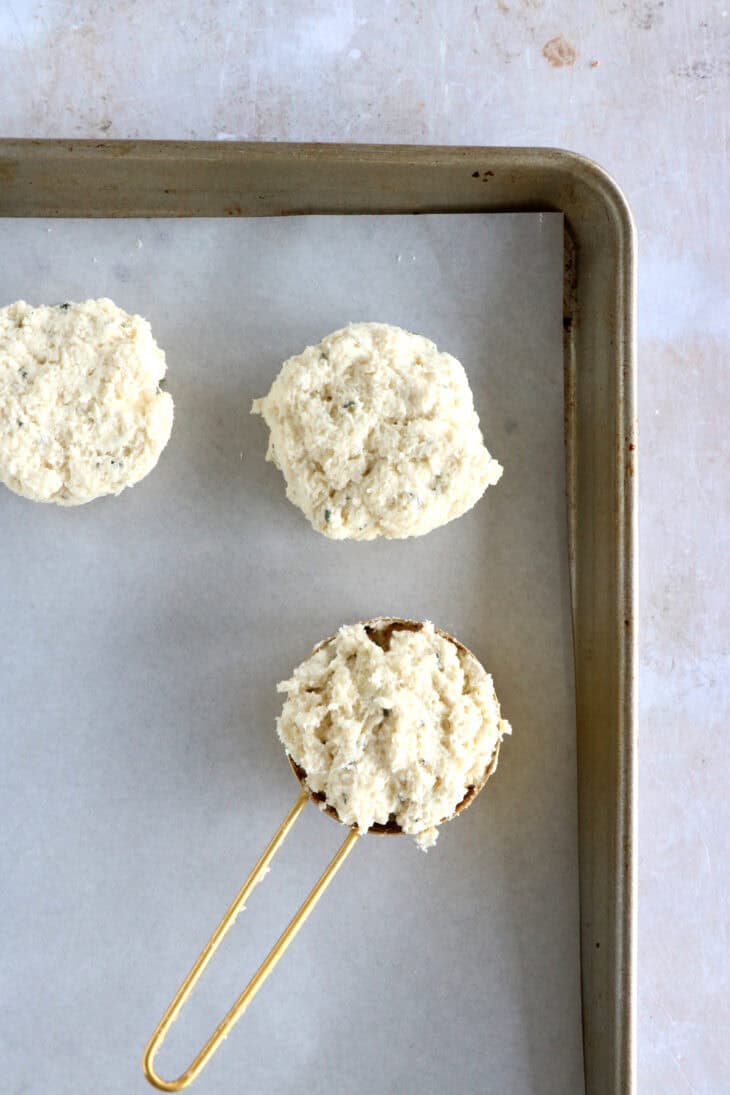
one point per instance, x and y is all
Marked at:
(392, 721)
(81, 411)
(376, 434)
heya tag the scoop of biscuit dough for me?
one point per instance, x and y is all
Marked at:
(376, 434)
(392, 723)
(81, 411)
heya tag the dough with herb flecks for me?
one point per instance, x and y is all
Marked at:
(81, 410)
(392, 721)
(376, 434)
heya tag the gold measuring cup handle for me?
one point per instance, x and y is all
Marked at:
(266, 967)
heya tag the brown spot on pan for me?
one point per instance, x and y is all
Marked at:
(116, 148)
(559, 52)
(8, 170)
(569, 405)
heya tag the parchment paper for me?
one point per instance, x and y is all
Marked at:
(141, 641)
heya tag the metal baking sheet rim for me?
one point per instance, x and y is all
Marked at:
(67, 178)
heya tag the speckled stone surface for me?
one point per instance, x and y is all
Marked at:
(643, 87)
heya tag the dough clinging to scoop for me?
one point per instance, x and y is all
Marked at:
(392, 721)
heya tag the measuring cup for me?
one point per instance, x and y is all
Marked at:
(380, 630)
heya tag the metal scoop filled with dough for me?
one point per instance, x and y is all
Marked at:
(390, 726)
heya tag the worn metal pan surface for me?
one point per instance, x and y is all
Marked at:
(188, 179)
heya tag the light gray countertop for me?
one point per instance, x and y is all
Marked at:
(641, 86)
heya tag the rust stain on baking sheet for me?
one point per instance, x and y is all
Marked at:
(8, 170)
(569, 405)
(116, 149)
(559, 52)
(630, 460)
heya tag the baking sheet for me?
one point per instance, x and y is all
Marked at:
(142, 638)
